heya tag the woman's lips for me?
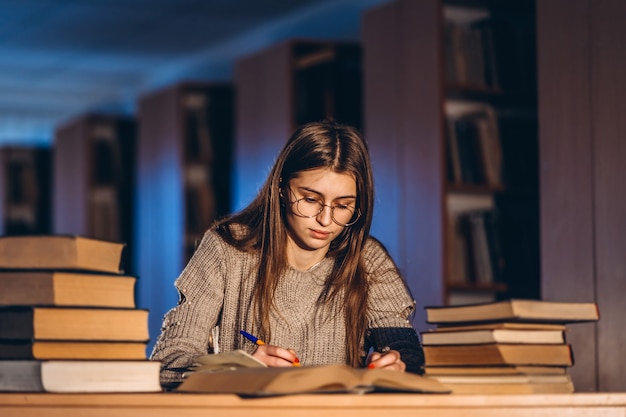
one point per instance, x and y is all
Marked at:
(318, 234)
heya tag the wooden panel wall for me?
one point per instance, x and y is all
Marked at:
(70, 161)
(381, 126)
(581, 106)
(403, 97)
(159, 220)
(264, 118)
(608, 115)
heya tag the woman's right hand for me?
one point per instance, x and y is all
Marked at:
(274, 356)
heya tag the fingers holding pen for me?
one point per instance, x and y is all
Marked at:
(275, 356)
(389, 359)
(272, 355)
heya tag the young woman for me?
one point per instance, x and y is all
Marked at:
(297, 269)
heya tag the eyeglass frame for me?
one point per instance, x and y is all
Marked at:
(297, 212)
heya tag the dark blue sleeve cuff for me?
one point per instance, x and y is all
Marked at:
(402, 339)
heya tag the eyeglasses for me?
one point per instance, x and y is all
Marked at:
(342, 214)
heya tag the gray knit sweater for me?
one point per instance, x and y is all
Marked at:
(215, 302)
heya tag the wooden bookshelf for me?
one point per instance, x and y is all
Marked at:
(25, 205)
(286, 85)
(421, 87)
(184, 162)
(94, 179)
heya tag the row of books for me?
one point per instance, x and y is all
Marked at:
(504, 347)
(488, 52)
(68, 318)
(25, 183)
(476, 252)
(470, 54)
(473, 149)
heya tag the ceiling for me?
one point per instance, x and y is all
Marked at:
(62, 58)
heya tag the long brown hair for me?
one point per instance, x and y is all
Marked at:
(342, 149)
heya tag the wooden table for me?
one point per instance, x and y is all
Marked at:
(377, 405)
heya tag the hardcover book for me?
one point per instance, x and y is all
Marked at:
(499, 354)
(73, 323)
(79, 376)
(56, 288)
(60, 252)
(514, 310)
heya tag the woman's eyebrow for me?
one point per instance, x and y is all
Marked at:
(311, 190)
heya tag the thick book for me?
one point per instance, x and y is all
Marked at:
(79, 376)
(259, 382)
(499, 354)
(64, 349)
(505, 379)
(514, 310)
(494, 370)
(73, 323)
(56, 288)
(521, 336)
(501, 325)
(60, 252)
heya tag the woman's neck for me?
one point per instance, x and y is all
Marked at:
(301, 259)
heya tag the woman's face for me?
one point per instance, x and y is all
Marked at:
(311, 191)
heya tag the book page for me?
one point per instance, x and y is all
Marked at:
(224, 361)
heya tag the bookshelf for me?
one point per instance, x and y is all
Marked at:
(456, 73)
(25, 190)
(94, 179)
(284, 86)
(184, 160)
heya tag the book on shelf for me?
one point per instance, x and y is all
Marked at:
(69, 349)
(461, 268)
(198, 135)
(60, 252)
(79, 376)
(105, 209)
(499, 354)
(469, 48)
(336, 378)
(62, 288)
(475, 249)
(106, 156)
(514, 310)
(479, 251)
(515, 336)
(473, 144)
(73, 323)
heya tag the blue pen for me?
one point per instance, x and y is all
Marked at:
(251, 338)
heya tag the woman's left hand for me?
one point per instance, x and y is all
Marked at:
(388, 360)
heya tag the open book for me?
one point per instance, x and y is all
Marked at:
(334, 378)
(226, 361)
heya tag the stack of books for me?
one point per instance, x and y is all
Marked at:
(68, 319)
(503, 347)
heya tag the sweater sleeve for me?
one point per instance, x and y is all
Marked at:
(389, 307)
(186, 328)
